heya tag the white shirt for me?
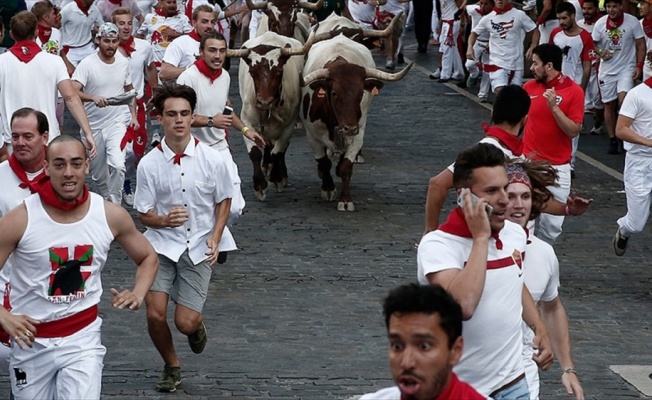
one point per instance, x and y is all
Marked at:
(53, 45)
(361, 11)
(182, 52)
(506, 34)
(647, 65)
(489, 361)
(638, 106)
(475, 15)
(621, 42)
(448, 9)
(146, 6)
(76, 26)
(154, 24)
(106, 8)
(198, 183)
(211, 99)
(101, 79)
(393, 7)
(575, 49)
(141, 58)
(32, 84)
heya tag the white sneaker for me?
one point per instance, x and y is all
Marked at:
(483, 98)
(156, 139)
(529, 5)
(390, 64)
(436, 74)
(128, 199)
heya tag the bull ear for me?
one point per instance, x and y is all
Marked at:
(320, 86)
(373, 85)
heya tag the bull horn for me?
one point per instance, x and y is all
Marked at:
(386, 76)
(311, 6)
(241, 53)
(373, 33)
(312, 39)
(256, 6)
(314, 75)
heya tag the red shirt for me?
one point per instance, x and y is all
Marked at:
(543, 139)
(459, 390)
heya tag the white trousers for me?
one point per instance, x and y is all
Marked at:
(546, 29)
(638, 189)
(549, 227)
(76, 54)
(108, 167)
(451, 61)
(60, 368)
(575, 142)
(481, 53)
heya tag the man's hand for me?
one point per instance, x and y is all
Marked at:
(577, 205)
(543, 357)
(470, 55)
(637, 73)
(21, 328)
(100, 101)
(476, 216)
(125, 299)
(134, 123)
(255, 137)
(606, 55)
(169, 33)
(176, 217)
(528, 53)
(222, 121)
(89, 142)
(572, 385)
(551, 98)
(213, 250)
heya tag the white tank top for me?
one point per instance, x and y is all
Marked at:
(56, 267)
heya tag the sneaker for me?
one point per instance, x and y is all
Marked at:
(390, 64)
(461, 84)
(169, 380)
(598, 130)
(529, 5)
(620, 243)
(198, 339)
(483, 98)
(613, 146)
(156, 139)
(423, 48)
(436, 74)
(128, 198)
(472, 82)
(442, 80)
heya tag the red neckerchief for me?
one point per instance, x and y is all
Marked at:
(195, 35)
(559, 82)
(177, 156)
(48, 196)
(189, 10)
(456, 225)
(615, 23)
(160, 12)
(203, 68)
(20, 173)
(593, 20)
(25, 50)
(511, 142)
(647, 26)
(116, 2)
(128, 46)
(648, 82)
(44, 33)
(83, 7)
(504, 10)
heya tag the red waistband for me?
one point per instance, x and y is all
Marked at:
(67, 326)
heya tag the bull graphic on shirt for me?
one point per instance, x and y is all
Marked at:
(615, 36)
(565, 51)
(21, 377)
(502, 28)
(67, 280)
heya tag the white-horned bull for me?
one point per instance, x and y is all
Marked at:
(340, 77)
(270, 89)
(284, 17)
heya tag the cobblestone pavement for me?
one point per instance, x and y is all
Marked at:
(296, 312)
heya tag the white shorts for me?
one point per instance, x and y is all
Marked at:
(592, 99)
(60, 368)
(611, 85)
(504, 77)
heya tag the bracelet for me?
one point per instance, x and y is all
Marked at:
(567, 211)
(568, 371)
(244, 130)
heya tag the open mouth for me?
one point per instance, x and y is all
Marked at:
(409, 386)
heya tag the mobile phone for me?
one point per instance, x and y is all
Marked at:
(227, 110)
(474, 199)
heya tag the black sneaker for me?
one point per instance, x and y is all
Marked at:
(613, 146)
(198, 339)
(400, 59)
(422, 47)
(620, 243)
(169, 380)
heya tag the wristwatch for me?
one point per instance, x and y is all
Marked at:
(210, 122)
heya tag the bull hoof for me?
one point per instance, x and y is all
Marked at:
(329, 195)
(279, 187)
(345, 206)
(261, 194)
(359, 159)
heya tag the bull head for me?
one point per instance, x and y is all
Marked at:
(282, 14)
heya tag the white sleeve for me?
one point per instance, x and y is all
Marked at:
(149, 59)
(185, 79)
(173, 54)
(527, 22)
(638, 31)
(596, 34)
(225, 185)
(144, 28)
(61, 70)
(552, 288)
(145, 194)
(81, 73)
(630, 107)
(482, 26)
(437, 253)
(135, 10)
(186, 27)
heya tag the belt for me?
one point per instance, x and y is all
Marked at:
(508, 385)
(68, 325)
(79, 47)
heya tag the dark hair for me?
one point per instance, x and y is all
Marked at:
(566, 7)
(41, 120)
(477, 156)
(549, 53)
(210, 35)
(512, 103)
(23, 26)
(41, 8)
(63, 139)
(542, 175)
(613, 1)
(596, 3)
(166, 91)
(430, 299)
(202, 8)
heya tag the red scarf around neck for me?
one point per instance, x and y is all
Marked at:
(615, 23)
(25, 50)
(559, 82)
(456, 225)
(647, 26)
(128, 46)
(83, 7)
(648, 82)
(116, 2)
(177, 156)
(504, 10)
(33, 185)
(49, 196)
(44, 33)
(511, 142)
(193, 34)
(203, 68)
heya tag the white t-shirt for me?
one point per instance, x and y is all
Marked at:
(362, 12)
(106, 8)
(393, 7)
(141, 58)
(638, 106)
(475, 15)
(578, 9)
(211, 99)
(53, 45)
(575, 49)
(182, 52)
(647, 65)
(146, 6)
(506, 34)
(448, 9)
(154, 24)
(620, 41)
(489, 361)
(76, 26)
(32, 84)
(101, 79)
